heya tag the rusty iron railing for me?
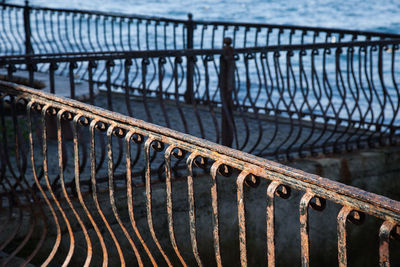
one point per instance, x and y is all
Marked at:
(161, 196)
(277, 101)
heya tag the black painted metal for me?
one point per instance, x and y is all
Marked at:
(297, 90)
(287, 100)
(71, 30)
(27, 27)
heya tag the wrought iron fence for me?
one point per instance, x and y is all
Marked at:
(30, 29)
(275, 101)
(144, 194)
(77, 180)
(296, 90)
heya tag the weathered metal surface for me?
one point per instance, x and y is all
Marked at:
(77, 215)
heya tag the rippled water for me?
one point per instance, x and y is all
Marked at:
(351, 14)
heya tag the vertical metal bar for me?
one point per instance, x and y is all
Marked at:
(35, 176)
(129, 185)
(304, 228)
(271, 191)
(192, 214)
(45, 169)
(227, 87)
(31, 69)
(147, 146)
(53, 67)
(342, 235)
(127, 65)
(318, 204)
(77, 186)
(72, 66)
(27, 27)
(61, 166)
(215, 219)
(190, 29)
(109, 64)
(91, 65)
(168, 178)
(144, 64)
(177, 63)
(110, 170)
(161, 72)
(242, 218)
(384, 239)
(45, 111)
(10, 70)
(189, 94)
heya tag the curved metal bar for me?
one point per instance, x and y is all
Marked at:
(45, 113)
(111, 168)
(346, 214)
(168, 182)
(192, 215)
(274, 189)
(147, 146)
(305, 202)
(129, 187)
(44, 195)
(215, 215)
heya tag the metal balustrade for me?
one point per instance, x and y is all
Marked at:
(117, 202)
(40, 30)
(81, 185)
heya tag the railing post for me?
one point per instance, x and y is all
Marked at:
(227, 86)
(189, 95)
(27, 27)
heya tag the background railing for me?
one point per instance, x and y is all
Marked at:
(62, 205)
(292, 90)
(30, 29)
(280, 101)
